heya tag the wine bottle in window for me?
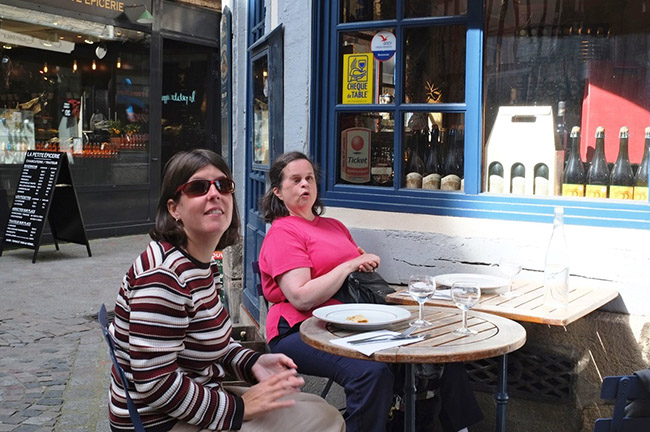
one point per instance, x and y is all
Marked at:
(641, 179)
(573, 183)
(452, 171)
(560, 129)
(431, 179)
(381, 170)
(414, 164)
(518, 179)
(621, 184)
(495, 178)
(540, 184)
(598, 173)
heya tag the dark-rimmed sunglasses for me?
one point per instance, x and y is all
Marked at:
(196, 188)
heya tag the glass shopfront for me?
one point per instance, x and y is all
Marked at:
(81, 88)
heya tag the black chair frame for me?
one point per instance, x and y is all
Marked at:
(622, 389)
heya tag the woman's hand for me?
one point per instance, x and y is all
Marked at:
(366, 262)
(270, 364)
(265, 396)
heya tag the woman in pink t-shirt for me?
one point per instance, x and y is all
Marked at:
(303, 261)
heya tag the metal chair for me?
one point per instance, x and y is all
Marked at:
(621, 389)
(133, 411)
(258, 286)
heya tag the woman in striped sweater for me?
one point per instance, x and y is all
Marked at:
(172, 333)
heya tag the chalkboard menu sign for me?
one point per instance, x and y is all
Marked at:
(45, 192)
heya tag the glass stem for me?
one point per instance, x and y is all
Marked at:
(464, 319)
(421, 307)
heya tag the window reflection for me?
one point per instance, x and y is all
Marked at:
(261, 111)
(435, 64)
(569, 64)
(436, 8)
(367, 10)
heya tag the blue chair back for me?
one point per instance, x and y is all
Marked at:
(133, 411)
(622, 389)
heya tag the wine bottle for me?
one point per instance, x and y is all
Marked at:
(556, 265)
(495, 178)
(641, 179)
(414, 164)
(431, 179)
(540, 181)
(560, 129)
(518, 179)
(573, 182)
(598, 173)
(381, 170)
(621, 183)
(453, 170)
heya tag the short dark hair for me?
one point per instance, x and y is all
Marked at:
(273, 207)
(178, 170)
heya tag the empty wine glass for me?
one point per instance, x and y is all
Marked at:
(510, 268)
(465, 295)
(421, 287)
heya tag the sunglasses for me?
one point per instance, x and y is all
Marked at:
(196, 188)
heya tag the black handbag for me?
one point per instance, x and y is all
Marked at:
(364, 287)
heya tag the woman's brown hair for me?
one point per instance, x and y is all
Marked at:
(178, 170)
(273, 207)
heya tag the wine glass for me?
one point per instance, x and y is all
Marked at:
(421, 287)
(465, 295)
(510, 268)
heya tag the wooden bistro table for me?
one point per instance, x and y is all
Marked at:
(528, 306)
(496, 336)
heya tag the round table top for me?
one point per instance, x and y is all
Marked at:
(496, 336)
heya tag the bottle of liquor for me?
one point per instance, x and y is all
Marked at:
(431, 179)
(641, 179)
(573, 183)
(518, 179)
(556, 265)
(598, 174)
(560, 129)
(414, 164)
(621, 183)
(453, 171)
(495, 178)
(381, 170)
(540, 181)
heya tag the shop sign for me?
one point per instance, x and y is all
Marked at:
(383, 45)
(357, 78)
(355, 155)
(104, 8)
(32, 42)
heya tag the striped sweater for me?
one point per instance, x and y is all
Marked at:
(172, 337)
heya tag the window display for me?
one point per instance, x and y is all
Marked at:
(81, 88)
(589, 62)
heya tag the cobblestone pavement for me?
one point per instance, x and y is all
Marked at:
(53, 360)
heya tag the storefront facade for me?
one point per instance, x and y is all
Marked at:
(443, 133)
(118, 86)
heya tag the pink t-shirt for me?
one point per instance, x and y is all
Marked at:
(294, 242)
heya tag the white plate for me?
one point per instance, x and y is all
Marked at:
(485, 282)
(378, 316)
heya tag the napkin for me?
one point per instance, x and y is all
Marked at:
(370, 348)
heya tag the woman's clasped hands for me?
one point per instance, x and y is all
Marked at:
(366, 262)
(277, 378)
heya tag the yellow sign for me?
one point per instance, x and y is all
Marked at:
(357, 78)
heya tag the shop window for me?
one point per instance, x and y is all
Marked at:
(502, 90)
(556, 67)
(80, 88)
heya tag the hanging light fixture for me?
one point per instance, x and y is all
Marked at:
(94, 65)
(145, 17)
(74, 66)
(45, 68)
(119, 63)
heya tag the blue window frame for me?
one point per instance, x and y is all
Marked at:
(327, 111)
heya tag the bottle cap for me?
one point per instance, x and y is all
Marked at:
(600, 131)
(575, 130)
